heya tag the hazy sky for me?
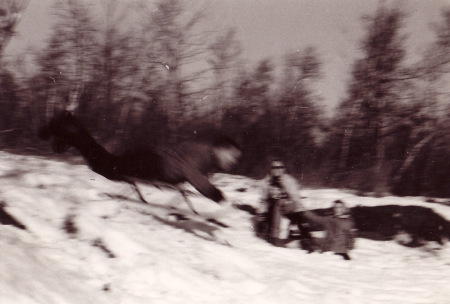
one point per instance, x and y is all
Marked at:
(271, 28)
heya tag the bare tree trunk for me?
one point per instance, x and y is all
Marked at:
(345, 147)
(380, 148)
(12, 14)
(50, 104)
(411, 157)
(74, 96)
(119, 133)
(348, 134)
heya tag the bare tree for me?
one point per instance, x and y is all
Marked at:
(296, 109)
(374, 87)
(437, 58)
(224, 57)
(180, 46)
(428, 152)
(11, 12)
(128, 66)
(68, 60)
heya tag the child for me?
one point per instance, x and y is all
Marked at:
(339, 230)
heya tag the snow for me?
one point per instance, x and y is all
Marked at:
(125, 252)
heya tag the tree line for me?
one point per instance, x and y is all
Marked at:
(150, 74)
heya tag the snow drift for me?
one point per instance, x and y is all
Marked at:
(85, 239)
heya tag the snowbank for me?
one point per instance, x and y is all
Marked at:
(85, 243)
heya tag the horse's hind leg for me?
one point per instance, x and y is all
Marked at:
(133, 183)
(184, 193)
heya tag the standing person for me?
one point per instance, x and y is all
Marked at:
(339, 230)
(281, 199)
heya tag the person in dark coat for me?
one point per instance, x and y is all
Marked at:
(339, 228)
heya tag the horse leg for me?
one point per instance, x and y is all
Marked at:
(133, 183)
(188, 202)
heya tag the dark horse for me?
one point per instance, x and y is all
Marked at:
(190, 161)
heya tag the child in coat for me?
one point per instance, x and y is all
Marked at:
(339, 230)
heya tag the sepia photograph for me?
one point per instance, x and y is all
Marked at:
(224, 151)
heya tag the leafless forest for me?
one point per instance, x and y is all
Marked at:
(146, 75)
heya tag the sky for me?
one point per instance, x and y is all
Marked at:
(272, 28)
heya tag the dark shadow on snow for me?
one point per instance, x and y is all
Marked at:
(69, 225)
(380, 223)
(194, 227)
(190, 223)
(247, 208)
(7, 219)
(386, 222)
(102, 246)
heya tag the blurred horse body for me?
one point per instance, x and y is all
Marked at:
(190, 161)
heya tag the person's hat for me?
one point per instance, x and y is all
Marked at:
(277, 164)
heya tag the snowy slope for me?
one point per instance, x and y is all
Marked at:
(85, 243)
